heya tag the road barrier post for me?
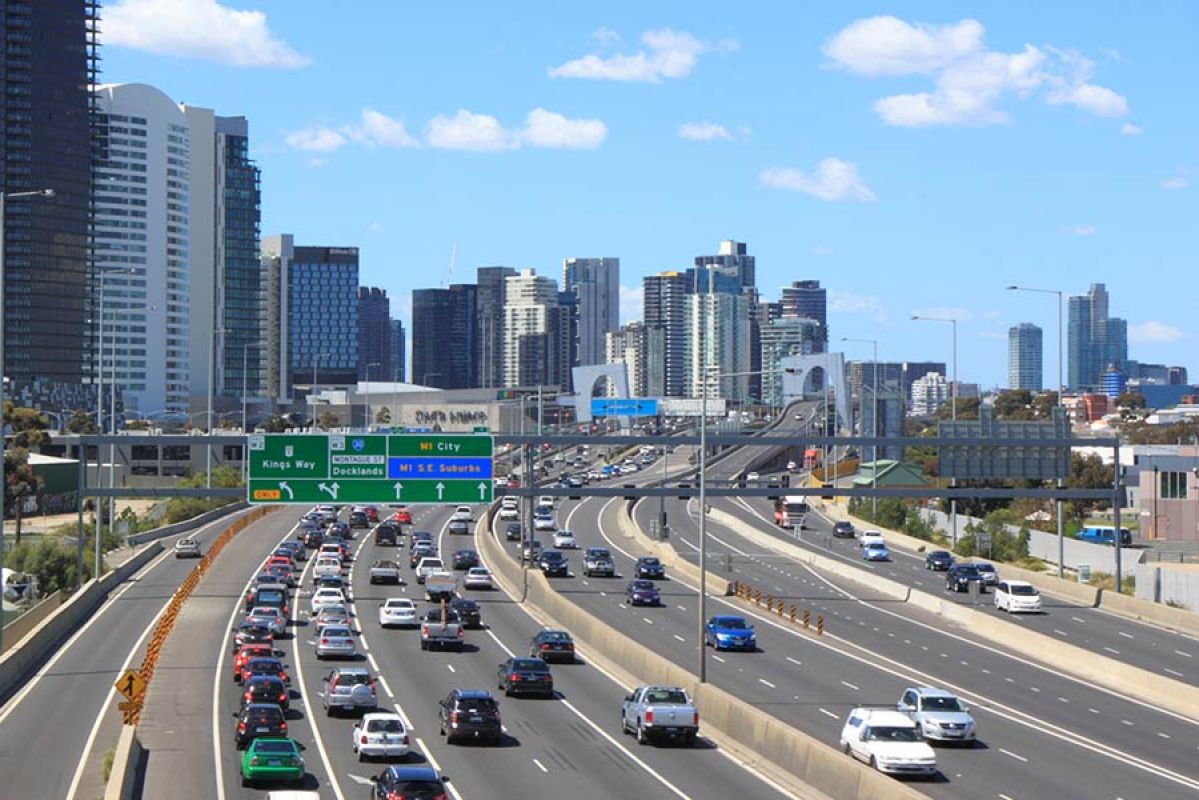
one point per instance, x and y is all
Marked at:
(793, 609)
(769, 603)
(820, 625)
(780, 607)
(758, 598)
(807, 616)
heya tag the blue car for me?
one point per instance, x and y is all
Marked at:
(876, 552)
(729, 633)
(641, 593)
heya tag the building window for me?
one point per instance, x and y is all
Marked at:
(1173, 486)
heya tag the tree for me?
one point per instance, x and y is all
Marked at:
(137, 425)
(1014, 404)
(1130, 400)
(1045, 402)
(275, 424)
(19, 483)
(383, 416)
(28, 426)
(967, 409)
(327, 420)
(81, 423)
(1088, 472)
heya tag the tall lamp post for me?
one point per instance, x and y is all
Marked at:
(366, 402)
(211, 381)
(953, 394)
(1061, 390)
(4, 197)
(874, 423)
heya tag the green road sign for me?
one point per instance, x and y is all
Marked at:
(370, 468)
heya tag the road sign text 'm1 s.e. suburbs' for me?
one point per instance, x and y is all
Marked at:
(370, 468)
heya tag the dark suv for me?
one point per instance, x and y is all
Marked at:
(960, 576)
(469, 714)
(387, 534)
(358, 519)
(843, 529)
(420, 783)
(259, 719)
(552, 562)
(938, 560)
(512, 532)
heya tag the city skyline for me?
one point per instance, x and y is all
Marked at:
(947, 230)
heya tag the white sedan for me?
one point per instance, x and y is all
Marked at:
(397, 611)
(544, 524)
(326, 597)
(380, 734)
(270, 617)
(478, 578)
(565, 540)
(509, 513)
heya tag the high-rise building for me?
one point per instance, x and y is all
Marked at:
(860, 375)
(374, 334)
(780, 338)
(445, 334)
(144, 231)
(627, 345)
(732, 258)
(533, 331)
(46, 136)
(915, 370)
(399, 350)
(1094, 340)
(718, 345)
(1116, 354)
(1024, 357)
(733, 265)
(807, 300)
(1078, 344)
(664, 304)
(312, 315)
(490, 305)
(595, 283)
(929, 393)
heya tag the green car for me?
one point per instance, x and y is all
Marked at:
(273, 760)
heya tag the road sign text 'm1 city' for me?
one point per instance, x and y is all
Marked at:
(370, 468)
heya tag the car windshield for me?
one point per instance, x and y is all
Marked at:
(384, 726)
(942, 704)
(676, 696)
(335, 630)
(264, 665)
(268, 746)
(478, 571)
(555, 636)
(352, 679)
(893, 735)
(641, 586)
(734, 623)
(985, 567)
(1027, 591)
(969, 571)
(649, 562)
(399, 603)
(551, 555)
(597, 552)
(270, 596)
(529, 665)
(477, 704)
(264, 714)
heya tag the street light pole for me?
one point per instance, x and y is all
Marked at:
(874, 424)
(1061, 390)
(366, 404)
(211, 381)
(953, 395)
(4, 196)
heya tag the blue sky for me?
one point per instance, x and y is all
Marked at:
(915, 157)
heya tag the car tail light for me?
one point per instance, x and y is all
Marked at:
(453, 717)
(695, 719)
(324, 641)
(514, 678)
(424, 629)
(282, 696)
(246, 697)
(363, 739)
(545, 646)
(649, 716)
(461, 632)
(254, 761)
(241, 727)
(283, 727)
(404, 739)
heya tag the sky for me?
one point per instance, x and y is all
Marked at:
(915, 157)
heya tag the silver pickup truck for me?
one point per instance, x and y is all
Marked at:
(439, 633)
(653, 713)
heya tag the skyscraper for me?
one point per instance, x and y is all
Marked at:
(1094, 340)
(533, 330)
(595, 283)
(732, 258)
(780, 338)
(1024, 357)
(1080, 371)
(627, 345)
(806, 300)
(445, 333)
(49, 64)
(490, 305)
(396, 371)
(374, 334)
(664, 304)
(718, 344)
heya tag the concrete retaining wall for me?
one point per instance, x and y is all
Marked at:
(122, 780)
(20, 627)
(786, 749)
(187, 524)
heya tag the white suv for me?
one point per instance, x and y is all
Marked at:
(938, 714)
(889, 741)
(868, 538)
(1017, 596)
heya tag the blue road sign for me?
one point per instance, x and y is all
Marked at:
(434, 467)
(624, 406)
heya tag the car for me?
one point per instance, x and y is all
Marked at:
(379, 734)
(372, 513)
(459, 527)
(283, 574)
(989, 573)
(938, 560)
(358, 519)
(512, 533)
(462, 513)
(553, 564)
(792, 466)
(478, 578)
(552, 646)
(245, 653)
(313, 539)
(889, 741)
(642, 593)
(420, 551)
(386, 535)
(265, 689)
(464, 559)
(327, 566)
(574, 481)
(414, 782)
(249, 633)
(257, 720)
(270, 616)
(729, 632)
(843, 529)
(384, 571)
(187, 547)
(335, 641)
(869, 538)
(427, 566)
(402, 515)
(653, 713)
(265, 665)
(939, 715)
(752, 477)
(441, 629)
(423, 536)
(565, 540)
(267, 594)
(544, 524)
(959, 577)
(525, 676)
(298, 550)
(326, 597)
(509, 513)
(598, 561)
(468, 611)
(397, 611)
(876, 552)
(272, 758)
(650, 568)
(332, 582)
(1016, 597)
(467, 713)
(350, 688)
(341, 530)
(332, 615)
(530, 550)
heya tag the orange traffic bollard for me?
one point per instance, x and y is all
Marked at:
(758, 597)
(793, 613)
(820, 625)
(807, 616)
(780, 609)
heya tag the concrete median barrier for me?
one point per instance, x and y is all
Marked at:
(126, 760)
(778, 747)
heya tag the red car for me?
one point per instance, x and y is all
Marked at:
(402, 515)
(245, 653)
(372, 513)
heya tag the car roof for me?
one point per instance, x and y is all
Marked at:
(1016, 583)
(932, 691)
(726, 617)
(473, 694)
(413, 773)
(351, 670)
(886, 716)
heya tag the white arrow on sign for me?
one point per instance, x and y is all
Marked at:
(331, 489)
(399, 487)
(482, 491)
(284, 487)
(440, 487)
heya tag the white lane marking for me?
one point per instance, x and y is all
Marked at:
(1063, 700)
(371, 658)
(718, 658)
(1182, 653)
(1173, 672)
(1034, 689)
(1093, 710)
(1163, 735)
(793, 661)
(828, 713)
(1078, 619)
(1111, 650)
(851, 686)
(1061, 633)
(1016, 756)
(1126, 635)
(680, 638)
(540, 766)
(1003, 796)
(450, 667)
(429, 755)
(383, 683)
(1128, 722)
(648, 621)
(766, 682)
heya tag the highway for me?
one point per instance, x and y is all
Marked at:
(551, 747)
(1066, 728)
(53, 732)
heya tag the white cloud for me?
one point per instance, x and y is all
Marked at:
(468, 131)
(1175, 183)
(820, 251)
(375, 228)
(632, 303)
(202, 29)
(704, 132)
(969, 81)
(833, 181)
(1080, 230)
(1153, 332)
(945, 312)
(316, 139)
(849, 303)
(666, 54)
(606, 37)
(379, 130)
(550, 130)
(1131, 129)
